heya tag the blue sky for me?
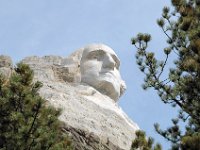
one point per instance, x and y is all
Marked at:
(58, 27)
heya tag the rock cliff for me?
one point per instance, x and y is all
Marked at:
(92, 118)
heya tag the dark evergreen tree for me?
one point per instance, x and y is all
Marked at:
(26, 122)
(181, 86)
(143, 143)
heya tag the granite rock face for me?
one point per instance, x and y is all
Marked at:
(5, 65)
(91, 115)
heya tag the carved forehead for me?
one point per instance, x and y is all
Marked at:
(98, 47)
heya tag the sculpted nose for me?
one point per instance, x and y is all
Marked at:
(109, 62)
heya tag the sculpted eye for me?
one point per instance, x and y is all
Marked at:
(96, 54)
(117, 65)
(92, 55)
(117, 62)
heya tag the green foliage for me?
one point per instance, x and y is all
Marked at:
(26, 123)
(181, 86)
(144, 144)
(191, 142)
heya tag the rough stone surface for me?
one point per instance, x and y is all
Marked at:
(93, 119)
(5, 61)
(5, 65)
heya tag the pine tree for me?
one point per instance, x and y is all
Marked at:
(26, 122)
(143, 143)
(181, 86)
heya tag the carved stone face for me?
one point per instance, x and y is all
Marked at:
(100, 69)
